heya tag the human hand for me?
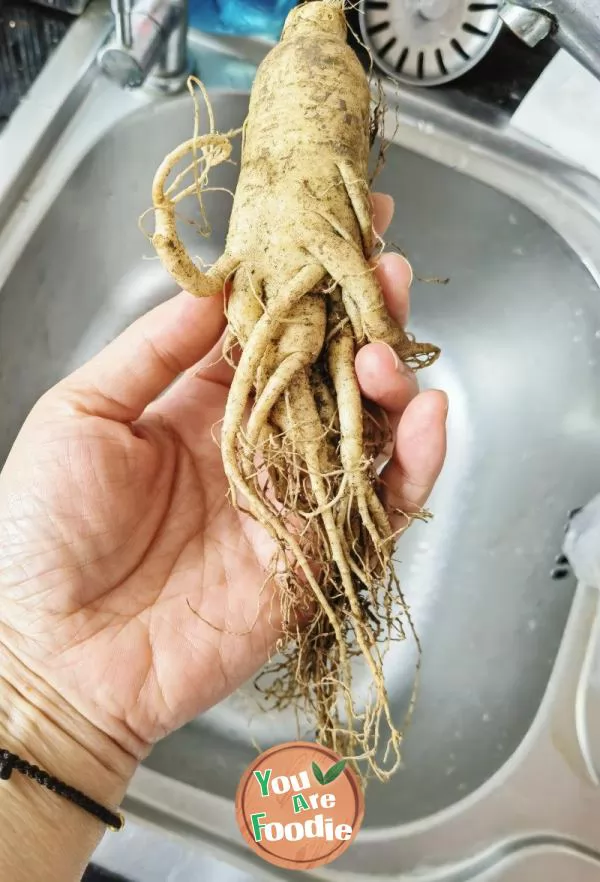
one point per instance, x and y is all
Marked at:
(129, 586)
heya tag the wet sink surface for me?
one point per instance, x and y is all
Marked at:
(519, 325)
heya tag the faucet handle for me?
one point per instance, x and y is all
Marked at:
(574, 24)
(530, 25)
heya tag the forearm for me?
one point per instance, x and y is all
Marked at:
(43, 837)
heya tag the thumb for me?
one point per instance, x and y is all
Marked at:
(129, 373)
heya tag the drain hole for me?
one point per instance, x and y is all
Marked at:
(391, 42)
(421, 65)
(477, 7)
(402, 59)
(559, 573)
(376, 29)
(440, 62)
(458, 48)
(471, 29)
(377, 4)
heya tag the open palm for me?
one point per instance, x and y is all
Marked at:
(127, 581)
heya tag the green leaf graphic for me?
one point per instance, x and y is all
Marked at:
(318, 773)
(334, 772)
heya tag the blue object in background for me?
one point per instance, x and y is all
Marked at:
(252, 18)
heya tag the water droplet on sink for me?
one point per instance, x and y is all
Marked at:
(518, 251)
(462, 787)
(577, 339)
(512, 219)
(450, 770)
(531, 625)
(486, 718)
(597, 334)
(578, 313)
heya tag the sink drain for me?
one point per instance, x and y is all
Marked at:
(428, 42)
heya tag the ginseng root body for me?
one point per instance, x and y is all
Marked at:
(299, 445)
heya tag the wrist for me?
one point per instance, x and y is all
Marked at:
(45, 836)
(38, 725)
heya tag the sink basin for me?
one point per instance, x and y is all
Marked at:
(519, 326)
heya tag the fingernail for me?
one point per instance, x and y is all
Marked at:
(399, 366)
(410, 269)
(389, 201)
(447, 404)
(394, 356)
(384, 198)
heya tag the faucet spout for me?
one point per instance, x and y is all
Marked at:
(149, 44)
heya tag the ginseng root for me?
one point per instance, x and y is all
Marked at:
(299, 445)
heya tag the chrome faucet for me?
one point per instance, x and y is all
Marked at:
(574, 24)
(149, 44)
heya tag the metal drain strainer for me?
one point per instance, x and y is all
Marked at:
(428, 42)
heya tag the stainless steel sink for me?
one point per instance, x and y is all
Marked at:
(496, 751)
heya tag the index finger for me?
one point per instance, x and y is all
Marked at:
(383, 211)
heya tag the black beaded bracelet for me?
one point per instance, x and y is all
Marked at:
(10, 762)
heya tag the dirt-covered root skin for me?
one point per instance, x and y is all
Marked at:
(306, 188)
(299, 445)
(205, 152)
(296, 174)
